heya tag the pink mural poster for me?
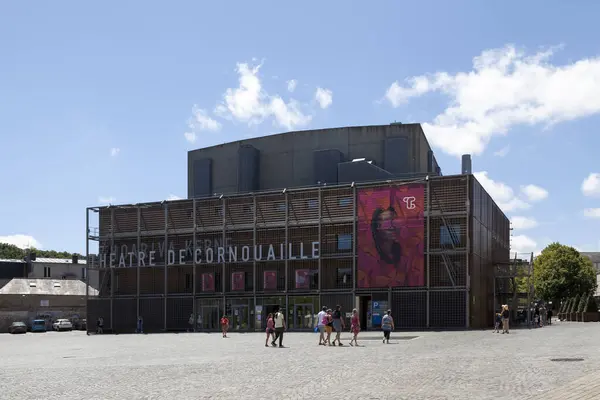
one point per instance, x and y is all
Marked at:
(208, 282)
(237, 281)
(302, 279)
(270, 280)
(391, 236)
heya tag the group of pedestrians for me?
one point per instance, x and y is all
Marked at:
(328, 321)
(275, 328)
(502, 319)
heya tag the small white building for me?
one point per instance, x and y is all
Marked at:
(57, 268)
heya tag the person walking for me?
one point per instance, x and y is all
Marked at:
(497, 322)
(224, 325)
(328, 319)
(338, 324)
(279, 327)
(505, 318)
(321, 322)
(354, 327)
(387, 325)
(550, 315)
(100, 325)
(270, 329)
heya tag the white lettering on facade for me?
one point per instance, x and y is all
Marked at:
(168, 255)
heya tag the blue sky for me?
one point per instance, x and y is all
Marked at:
(101, 101)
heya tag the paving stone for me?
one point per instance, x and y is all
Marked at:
(434, 365)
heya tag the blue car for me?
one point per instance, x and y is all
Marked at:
(38, 325)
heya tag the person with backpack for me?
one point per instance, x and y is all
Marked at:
(279, 327)
(387, 325)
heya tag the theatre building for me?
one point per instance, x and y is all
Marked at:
(418, 243)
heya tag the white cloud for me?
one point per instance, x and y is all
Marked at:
(115, 151)
(523, 223)
(503, 152)
(324, 97)
(190, 136)
(200, 121)
(251, 104)
(291, 85)
(591, 185)
(523, 244)
(502, 194)
(21, 241)
(106, 200)
(504, 89)
(591, 213)
(534, 193)
(173, 197)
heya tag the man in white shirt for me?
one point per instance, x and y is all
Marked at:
(320, 316)
(279, 327)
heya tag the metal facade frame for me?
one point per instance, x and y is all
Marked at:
(434, 215)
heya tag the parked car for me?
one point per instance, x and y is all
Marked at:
(62, 325)
(80, 324)
(38, 325)
(17, 327)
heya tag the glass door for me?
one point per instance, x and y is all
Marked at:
(240, 318)
(303, 317)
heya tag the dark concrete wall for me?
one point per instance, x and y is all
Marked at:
(10, 270)
(287, 160)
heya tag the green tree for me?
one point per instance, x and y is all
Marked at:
(561, 272)
(9, 251)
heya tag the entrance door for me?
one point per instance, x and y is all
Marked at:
(303, 317)
(240, 318)
(208, 318)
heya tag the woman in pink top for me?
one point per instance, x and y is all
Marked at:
(270, 329)
(354, 327)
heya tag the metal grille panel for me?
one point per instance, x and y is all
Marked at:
(337, 240)
(124, 316)
(180, 280)
(153, 313)
(303, 275)
(152, 218)
(448, 270)
(270, 277)
(303, 207)
(97, 308)
(179, 311)
(409, 309)
(447, 309)
(449, 194)
(239, 212)
(337, 274)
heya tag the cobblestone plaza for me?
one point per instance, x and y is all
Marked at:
(429, 365)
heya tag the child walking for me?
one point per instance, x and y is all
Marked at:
(270, 329)
(497, 323)
(354, 327)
